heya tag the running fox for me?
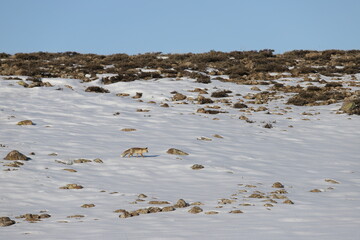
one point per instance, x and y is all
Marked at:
(136, 150)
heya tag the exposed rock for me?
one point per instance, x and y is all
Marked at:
(277, 185)
(195, 210)
(164, 105)
(181, 204)
(6, 221)
(26, 122)
(176, 152)
(197, 166)
(196, 204)
(16, 155)
(96, 89)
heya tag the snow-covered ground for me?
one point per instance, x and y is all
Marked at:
(300, 151)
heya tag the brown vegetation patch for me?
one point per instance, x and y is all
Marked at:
(207, 111)
(319, 97)
(72, 186)
(128, 129)
(197, 166)
(91, 205)
(96, 89)
(203, 100)
(241, 66)
(221, 94)
(195, 210)
(181, 203)
(158, 202)
(178, 97)
(34, 217)
(82, 160)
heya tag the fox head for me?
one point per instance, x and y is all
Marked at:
(146, 149)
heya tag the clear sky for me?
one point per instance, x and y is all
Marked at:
(177, 26)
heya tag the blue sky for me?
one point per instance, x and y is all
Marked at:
(177, 26)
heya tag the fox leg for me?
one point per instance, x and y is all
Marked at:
(141, 154)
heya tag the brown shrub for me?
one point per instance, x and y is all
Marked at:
(96, 89)
(220, 94)
(333, 84)
(237, 71)
(203, 79)
(311, 97)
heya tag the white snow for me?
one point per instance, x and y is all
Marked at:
(77, 124)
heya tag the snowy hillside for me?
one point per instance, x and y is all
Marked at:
(240, 156)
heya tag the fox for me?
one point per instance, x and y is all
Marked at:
(136, 150)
